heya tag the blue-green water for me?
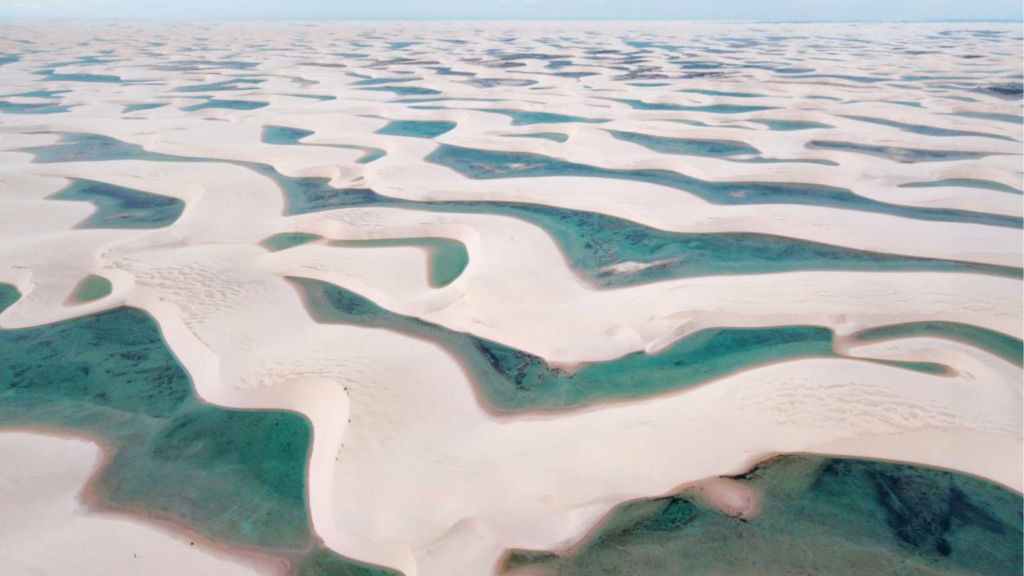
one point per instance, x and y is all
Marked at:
(713, 108)
(552, 136)
(819, 515)
(119, 207)
(1006, 347)
(288, 136)
(417, 128)
(447, 258)
(526, 118)
(52, 76)
(404, 90)
(721, 93)
(791, 125)
(288, 240)
(222, 86)
(965, 183)
(140, 107)
(92, 288)
(1008, 118)
(926, 130)
(31, 107)
(511, 380)
(593, 243)
(237, 476)
(488, 164)
(226, 105)
(687, 146)
(896, 154)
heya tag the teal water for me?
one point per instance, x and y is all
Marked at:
(285, 241)
(965, 183)
(235, 475)
(713, 108)
(417, 128)
(1008, 118)
(119, 207)
(790, 125)
(593, 243)
(140, 107)
(527, 118)
(226, 105)
(377, 81)
(552, 136)
(820, 515)
(687, 146)
(902, 155)
(287, 136)
(222, 86)
(926, 130)
(721, 93)
(447, 258)
(404, 90)
(487, 164)
(511, 380)
(93, 287)
(31, 108)
(52, 76)
(1006, 347)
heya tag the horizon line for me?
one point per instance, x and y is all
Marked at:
(469, 19)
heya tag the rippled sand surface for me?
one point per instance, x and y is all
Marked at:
(461, 298)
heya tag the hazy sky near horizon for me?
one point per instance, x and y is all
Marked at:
(524, 9)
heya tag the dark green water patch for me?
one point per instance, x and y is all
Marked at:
(285, 241)
(447, 258)
(488, 164)
(552, 136)
(712, 108)
(924, 129)
(234, 475)
(965, 183)
(287, 136)
(615, 252)
(609, 251)
(687, 146)
(226, 105)
(417, 128)
(52, 76)
(93, 287)
(511, 380)
(820, 515)
(222, 86)
(120, 207)
(527, 118)
(896, 154)
(791, 125)
(1006, 347)
(404, 90)
(140, 107)
(32, 107)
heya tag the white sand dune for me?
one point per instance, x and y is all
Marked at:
(409, 469)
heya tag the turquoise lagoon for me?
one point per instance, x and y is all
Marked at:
(594, 244)
(1006, 347)
(511, 380)
(487, 164)
(447, 258)
(91, 288)
(288, 136)
(819, 515)
(237, 476)
(120, 207)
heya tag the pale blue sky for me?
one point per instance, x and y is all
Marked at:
(525, 9)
